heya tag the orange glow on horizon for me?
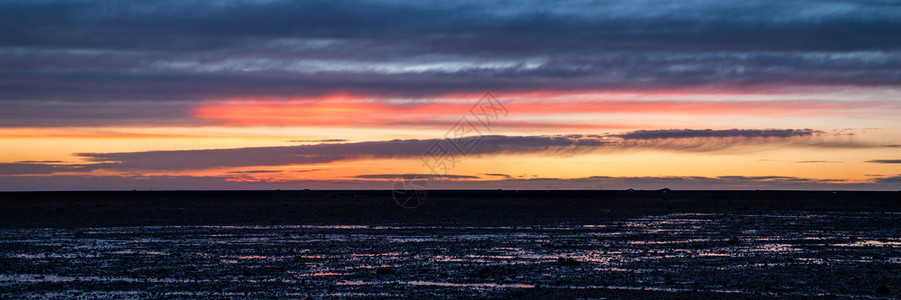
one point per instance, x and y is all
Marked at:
(343, 118)
(356, 111)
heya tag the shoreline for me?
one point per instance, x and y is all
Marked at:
(372, 207)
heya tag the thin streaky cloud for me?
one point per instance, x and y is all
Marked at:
(487, 145)
(885, 161)
(710, 133)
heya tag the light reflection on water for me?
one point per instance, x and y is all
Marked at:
(667, 253)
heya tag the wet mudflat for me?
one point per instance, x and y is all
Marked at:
(746, 252)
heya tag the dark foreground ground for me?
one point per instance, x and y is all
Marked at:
(498, 244)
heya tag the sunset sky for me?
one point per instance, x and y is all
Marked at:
(696, 94)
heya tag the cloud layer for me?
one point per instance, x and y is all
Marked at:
(678, 140)
(107, 60)
(579, 77)
(710, 133)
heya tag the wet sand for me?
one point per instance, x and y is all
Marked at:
(496, 244)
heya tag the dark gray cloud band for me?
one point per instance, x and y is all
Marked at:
(710, 133)
(680, 140)
(885, 161)
(91, 53)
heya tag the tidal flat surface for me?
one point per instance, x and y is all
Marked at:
(666, 253)
(770, 255)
